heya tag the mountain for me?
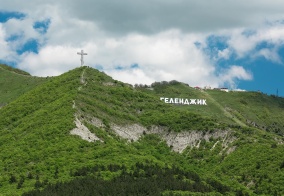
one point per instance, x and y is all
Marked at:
(83, 133)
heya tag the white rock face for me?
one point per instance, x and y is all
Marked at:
(178, 141)
(130, 132)
(96, 122)
(82, 131)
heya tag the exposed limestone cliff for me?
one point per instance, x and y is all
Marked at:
(130, 132)
(82, 131)
(178, 141)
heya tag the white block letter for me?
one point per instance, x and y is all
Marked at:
(192, 101)
(176, 100)
(186, 102)
(166, 100)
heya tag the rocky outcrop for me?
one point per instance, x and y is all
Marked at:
(96, 122)
(82, 131)
(178, 141)
(129, 132)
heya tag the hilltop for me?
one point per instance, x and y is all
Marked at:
(84, 132)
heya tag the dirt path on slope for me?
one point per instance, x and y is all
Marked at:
(228, 114)
(82, 79)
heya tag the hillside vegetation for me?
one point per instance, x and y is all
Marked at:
(15, 82)
(235, 148)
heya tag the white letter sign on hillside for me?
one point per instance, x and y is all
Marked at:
(183, 101)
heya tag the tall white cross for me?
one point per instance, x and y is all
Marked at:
(82, 56)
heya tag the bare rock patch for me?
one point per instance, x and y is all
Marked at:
(82, 131)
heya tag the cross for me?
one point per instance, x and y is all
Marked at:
(82, 56)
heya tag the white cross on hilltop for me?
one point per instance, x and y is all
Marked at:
(82, 56)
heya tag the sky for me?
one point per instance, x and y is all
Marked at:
(217, 43)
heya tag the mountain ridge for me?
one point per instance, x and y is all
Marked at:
(135, 126)
(15, 82)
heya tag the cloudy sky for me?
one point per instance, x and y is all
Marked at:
(217, 43)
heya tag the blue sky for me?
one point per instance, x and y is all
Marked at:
(239, 45)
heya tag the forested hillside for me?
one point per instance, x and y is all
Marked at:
(83, 133)
(15, 82)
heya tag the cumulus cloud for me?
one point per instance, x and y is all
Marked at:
(224, 54)
(131, 75)
(245, 43)
(233, 74)
(167, 40)
(3, 43)
(19, 32)
(270, 54)
(50, 61)
(7, 54)
(166, 56)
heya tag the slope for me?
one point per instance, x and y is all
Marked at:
(255, 158)
(138, 136)
(116, 102)
(38, 148)
(254, 109)
(243, 109)
(32, 127)
(15, 82)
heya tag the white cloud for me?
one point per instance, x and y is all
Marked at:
(160, 37)
(166, 56)
(6, 53)
(224, 54)
(240, 43)
(3, 44)
(233, 74)
(271, 55)
(245, 44)
(22, 29)
(51, 60)
(130, 75)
